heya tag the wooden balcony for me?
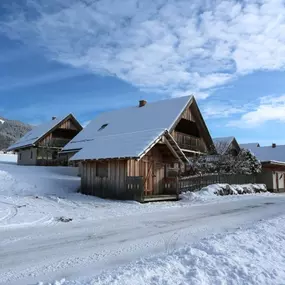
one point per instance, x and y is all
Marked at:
(189, 142)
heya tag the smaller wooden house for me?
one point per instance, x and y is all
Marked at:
(273, 165)
(42, 145)
(127, 153)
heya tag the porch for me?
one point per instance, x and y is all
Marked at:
(135, 188)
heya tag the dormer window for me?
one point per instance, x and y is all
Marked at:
(103, 127)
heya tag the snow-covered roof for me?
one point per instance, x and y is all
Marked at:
(132, 145)
(138, 123)
(36, 133)
(119, 145)
(222, 144)
(249, 145)
(269, 153)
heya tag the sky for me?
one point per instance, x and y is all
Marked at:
(90, 56)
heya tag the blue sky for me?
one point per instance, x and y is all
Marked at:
(89, 56)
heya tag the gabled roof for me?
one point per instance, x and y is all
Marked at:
(158, 116)
(126, 145)
(222, 144)
(38, 132)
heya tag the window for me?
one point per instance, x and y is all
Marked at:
(102, 169)
(20, 156)
(31, 154)
(103, 127)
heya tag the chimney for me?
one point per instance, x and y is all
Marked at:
(53, 118)
(142, 103)
(273, 145)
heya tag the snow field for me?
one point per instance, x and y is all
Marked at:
(49, 231)
(254, 255)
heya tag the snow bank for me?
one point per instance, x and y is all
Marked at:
(38, 181)
(246, 256)
(227, 189)
(9, 185)
(215, 192)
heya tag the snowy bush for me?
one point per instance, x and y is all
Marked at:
(244, 163)
(227, 189)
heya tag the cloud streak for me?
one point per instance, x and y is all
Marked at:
(175, 47)
(270, 108)
(8, 83)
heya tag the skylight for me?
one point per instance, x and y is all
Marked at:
(103, 127)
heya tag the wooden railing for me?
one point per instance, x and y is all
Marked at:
(55, 142)
(134, 188)
(171, 186)
(189, 142)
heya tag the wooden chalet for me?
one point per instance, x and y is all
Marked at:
(42, 145)
(127, 153)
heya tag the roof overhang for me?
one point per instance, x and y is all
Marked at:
(69, 151)
(20, 147)
(273, 164)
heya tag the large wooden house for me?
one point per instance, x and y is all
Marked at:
(42, 145)
(126, 153)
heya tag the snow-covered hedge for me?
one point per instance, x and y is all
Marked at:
(235, 189)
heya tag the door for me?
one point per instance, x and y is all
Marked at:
(149, 178)
(277, 181)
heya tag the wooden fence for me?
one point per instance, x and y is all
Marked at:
(197, 182)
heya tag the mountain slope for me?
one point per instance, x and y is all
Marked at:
(11, 131)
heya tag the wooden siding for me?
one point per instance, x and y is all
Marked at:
(68, 124)
(186, 141)
(50, 140)
(150, 170)
(152, 167)
(188, 115)
(115, 183)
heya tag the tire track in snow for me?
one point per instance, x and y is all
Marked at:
(12, 212)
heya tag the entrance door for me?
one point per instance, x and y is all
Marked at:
(149, 178)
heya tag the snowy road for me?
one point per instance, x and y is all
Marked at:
(68, 250)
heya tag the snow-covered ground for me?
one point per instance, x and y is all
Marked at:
(251, 255)
(48, 231)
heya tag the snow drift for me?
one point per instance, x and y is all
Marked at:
(235, 189)
(9, 185)
(39, 181)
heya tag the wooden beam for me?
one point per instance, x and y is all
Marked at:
(172, 150)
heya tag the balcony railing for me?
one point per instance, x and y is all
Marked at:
(190, 142)
(55, 142)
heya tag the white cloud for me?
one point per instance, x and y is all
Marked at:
(221, 110)
(271, 108)
(168, 46)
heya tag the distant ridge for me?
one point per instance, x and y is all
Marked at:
(11, 131)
